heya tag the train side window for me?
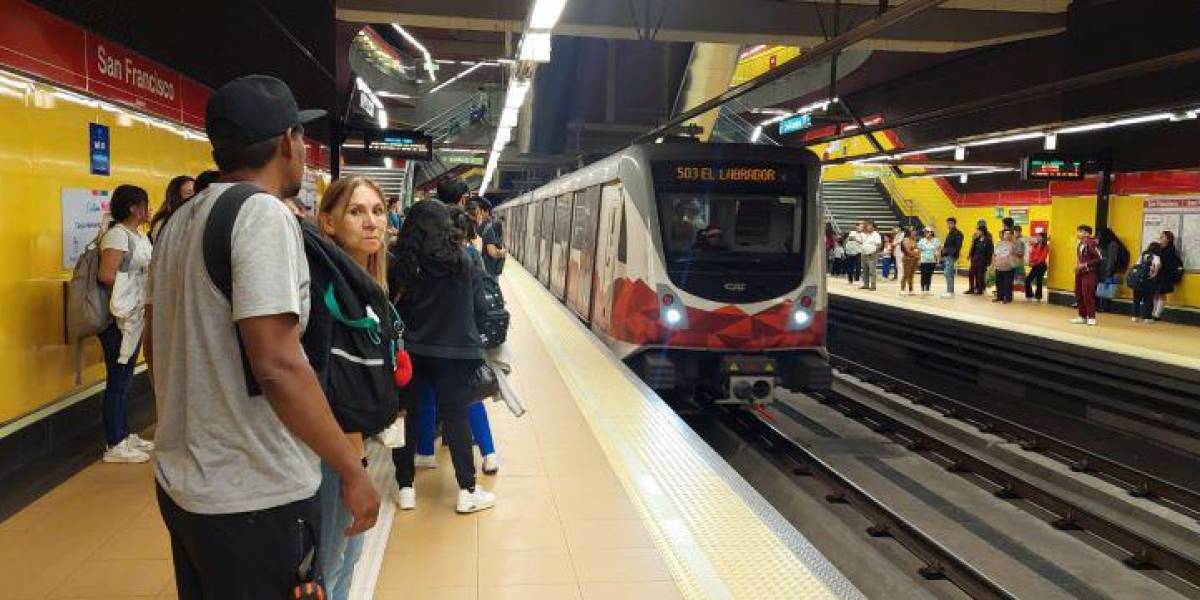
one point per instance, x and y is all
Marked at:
(622, 237)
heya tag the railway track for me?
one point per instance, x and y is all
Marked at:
(1141, 552)
(938, 562)
(1137, 482)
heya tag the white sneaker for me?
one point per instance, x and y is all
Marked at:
(425, 461)
(1078, 321)
(125, 453)
(1135, 320)
(948, 295)
(491, 464)
(470, 501)
(406, 499)
(138, 443)
(1091, 322)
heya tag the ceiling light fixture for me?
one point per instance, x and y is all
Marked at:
(430, 66)
(464, 73)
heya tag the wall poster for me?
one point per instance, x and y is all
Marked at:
(1180, 216)
(82, 211)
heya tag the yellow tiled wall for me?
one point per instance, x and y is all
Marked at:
(43, 149)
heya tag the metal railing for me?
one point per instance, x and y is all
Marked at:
(904, 204)
(450, 122)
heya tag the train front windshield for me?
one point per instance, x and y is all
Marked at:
(750, 230)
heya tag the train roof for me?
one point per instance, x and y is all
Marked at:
(605, 170)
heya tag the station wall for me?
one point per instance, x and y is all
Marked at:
(44, 148)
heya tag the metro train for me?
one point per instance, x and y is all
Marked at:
(702, 266)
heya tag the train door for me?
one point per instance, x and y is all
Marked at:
(545, 239)
(559, 249)
(531, 237)
(611, 207)
(581, 267)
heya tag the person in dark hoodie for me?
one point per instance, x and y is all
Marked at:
(951, 248)
(1113, 266)
(980, 254)
(435, 297)
(1170, 276)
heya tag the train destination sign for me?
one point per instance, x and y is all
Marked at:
(1052, 167)
(727, 174)
(398, 144)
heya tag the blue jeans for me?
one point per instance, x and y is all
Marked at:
(481, 429)
(337, 553)
(949, 269)
(116, 388)
(886, 264)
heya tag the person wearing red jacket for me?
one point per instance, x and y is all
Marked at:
(1087, 276)
(1039, 256)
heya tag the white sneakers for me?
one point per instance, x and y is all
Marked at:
(139, 444)
(1078, 321)
(125, 452)
(406, 499)
(1091, 322)
(491, 464)
(425, 461)
(1135, 320)
(947, 295)
(470, 501)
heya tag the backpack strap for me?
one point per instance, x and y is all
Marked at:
(218, 257)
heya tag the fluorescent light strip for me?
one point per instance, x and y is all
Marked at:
(1116, 123)
(1004, 139)
(961, 173)
(429, 65)
(546, 13)
(464, 73)
(803, 110)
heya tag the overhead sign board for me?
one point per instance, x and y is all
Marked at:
(795, 123)
(1052, 166)
(398, 144)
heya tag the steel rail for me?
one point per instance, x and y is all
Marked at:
(1137, 482)
(818, 53)
(1143, 552)
(939, 561)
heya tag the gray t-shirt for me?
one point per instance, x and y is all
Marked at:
(219, 450)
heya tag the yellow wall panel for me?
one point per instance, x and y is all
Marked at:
(43, 149)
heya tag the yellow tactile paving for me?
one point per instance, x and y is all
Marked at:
(715, 545)
(1163, 342)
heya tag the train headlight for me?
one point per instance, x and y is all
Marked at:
(672, 316)
(671, 309)
(802, 309)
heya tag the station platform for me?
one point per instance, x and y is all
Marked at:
(603, 492)
(1167, 343)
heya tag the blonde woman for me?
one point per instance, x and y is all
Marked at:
(353, 214)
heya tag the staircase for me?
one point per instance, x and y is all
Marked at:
(849, 201)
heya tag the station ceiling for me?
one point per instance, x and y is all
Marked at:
(955, 26)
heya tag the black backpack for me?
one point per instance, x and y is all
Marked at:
(1139, 275)
(353, 332)
(491, 316)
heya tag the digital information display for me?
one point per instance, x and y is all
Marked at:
(398, 144)
(1052, 167)
(689, 174)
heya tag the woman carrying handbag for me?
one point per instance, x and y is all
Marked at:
(435, 298)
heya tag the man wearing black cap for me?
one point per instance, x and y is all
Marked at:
(237, 452)
(452, 191)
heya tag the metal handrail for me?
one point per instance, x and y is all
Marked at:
(469, 100)
(906, 205)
